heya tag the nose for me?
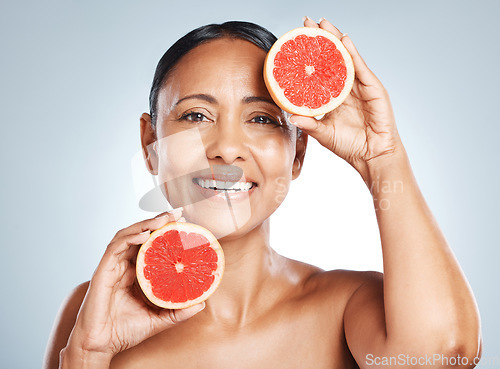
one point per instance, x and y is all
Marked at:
(227, 141)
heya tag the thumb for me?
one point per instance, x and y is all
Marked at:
(167, 318)
(180, 315)
(311, 126)
(175, 316)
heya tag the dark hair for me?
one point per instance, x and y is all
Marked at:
(257, 35)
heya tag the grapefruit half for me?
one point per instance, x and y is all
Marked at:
(308, 71)
(181, 264)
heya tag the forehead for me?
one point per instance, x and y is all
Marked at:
(221, 66)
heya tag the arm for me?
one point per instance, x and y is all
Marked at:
(61, 354)
(63, 325)
(424, 305)
(427, 306)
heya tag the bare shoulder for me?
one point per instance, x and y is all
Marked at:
(344, 284)
(335, 286)
(340, 279)
(63, 325)
(346, 281)
(336, 299)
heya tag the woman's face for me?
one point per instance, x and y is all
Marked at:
(217, 122)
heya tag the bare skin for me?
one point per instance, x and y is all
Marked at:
(270, 311)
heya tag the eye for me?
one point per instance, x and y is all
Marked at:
(262, 119)
(195, 117)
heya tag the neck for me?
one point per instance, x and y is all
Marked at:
(249, 266)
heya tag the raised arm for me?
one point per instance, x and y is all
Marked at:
(424, 311)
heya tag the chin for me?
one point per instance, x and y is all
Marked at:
(222, 221)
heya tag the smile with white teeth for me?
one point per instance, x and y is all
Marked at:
(224, 186)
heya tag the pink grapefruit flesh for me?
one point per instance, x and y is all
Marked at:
(308, 71)
(180, 265)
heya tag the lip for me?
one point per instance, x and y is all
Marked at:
(225, 173)
(224, 196)
(226, 178)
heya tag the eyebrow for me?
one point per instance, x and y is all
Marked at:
(205, 97)
(251, 99)
(212, 100)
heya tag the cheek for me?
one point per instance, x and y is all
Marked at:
(180, 155)
(277, 156)
(276, 161)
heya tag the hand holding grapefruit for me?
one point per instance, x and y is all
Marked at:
(363, 127)
(112, 316)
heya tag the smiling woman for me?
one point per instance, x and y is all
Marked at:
(241, 130)
(225, 155)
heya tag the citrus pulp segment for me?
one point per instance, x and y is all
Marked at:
(181, 264)
(308, 71)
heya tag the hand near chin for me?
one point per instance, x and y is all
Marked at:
(113, 316)
(362, 130)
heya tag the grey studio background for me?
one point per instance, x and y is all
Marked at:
(75, 77)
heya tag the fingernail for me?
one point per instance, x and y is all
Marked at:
(321, 20)
(345, 34)
(177, 210)
(294, 122)
(305, 17)
(145, 232)
(195, 309)
(181, 219)
(177, 213)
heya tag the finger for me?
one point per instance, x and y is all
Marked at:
(107, 276)
(309, 125)
(363, 73)
(113, 259)
(179, 315)
(168, 317)
(121, 245)
(314, 128)
(130, 255)
(129, 277)
(150, 224)
(323, 23)
(308, 22)
(176, 211)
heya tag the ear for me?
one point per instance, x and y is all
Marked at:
(148, 143)
(300, 152)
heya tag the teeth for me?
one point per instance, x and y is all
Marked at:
(222, 185)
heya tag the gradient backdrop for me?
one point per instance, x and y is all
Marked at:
(75, 77)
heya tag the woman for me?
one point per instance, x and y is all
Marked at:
(270, 311)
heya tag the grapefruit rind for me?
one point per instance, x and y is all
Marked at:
(145, 284)
(277, 92)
